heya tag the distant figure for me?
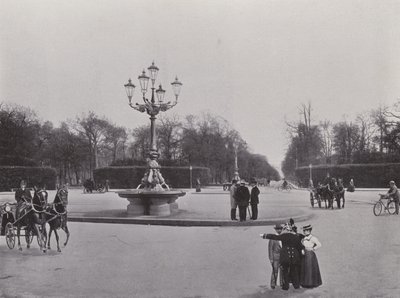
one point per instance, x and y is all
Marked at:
(242, 199)
(107, 185)
(310, 276)
(198, 185)
(340, 193)
(232, 194)
(393, 193)
(274, 253)
(254, 200)
(285, 183)
(351, 187)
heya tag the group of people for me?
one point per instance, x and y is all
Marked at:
(292, 257)
(241, 197)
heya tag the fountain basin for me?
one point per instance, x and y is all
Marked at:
(151, 202)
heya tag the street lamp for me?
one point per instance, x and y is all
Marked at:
(152, 179)
(236, 168)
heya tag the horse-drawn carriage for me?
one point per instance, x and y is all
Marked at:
(89, 186)
(326, 194)
(31, 217)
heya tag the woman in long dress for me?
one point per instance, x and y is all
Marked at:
(310, 275)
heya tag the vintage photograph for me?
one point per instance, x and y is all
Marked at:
(199, 148)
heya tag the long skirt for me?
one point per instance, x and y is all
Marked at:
(310, 276)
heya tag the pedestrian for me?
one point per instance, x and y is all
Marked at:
(310, 275)
(290, 256)
(274, 253)
(351, 187)
(254, 200)
(22, 195)
(340, 193)
(242, 199)
(393, 193)
(232, 194)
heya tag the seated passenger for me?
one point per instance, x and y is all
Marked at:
(21, 196)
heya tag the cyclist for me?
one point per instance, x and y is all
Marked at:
(284, 184)
(393, 193)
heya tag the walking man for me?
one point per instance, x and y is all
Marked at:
(242, 199)
(254, 200)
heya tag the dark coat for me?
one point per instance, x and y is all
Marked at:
(291, 248)
(242, 196)
(254, 195)
(22, 194)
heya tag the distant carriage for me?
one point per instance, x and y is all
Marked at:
(89, 186)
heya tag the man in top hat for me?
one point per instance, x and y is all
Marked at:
(274, 253)
(254, 200)
(290, 256)
(21, 196)
(393, 192)
(242, 199)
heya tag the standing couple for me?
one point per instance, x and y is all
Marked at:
(240, 197)
(293, 255)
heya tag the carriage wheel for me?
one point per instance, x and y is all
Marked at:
(10, 235)
(377, 208)
(391, 207)
(312, 200)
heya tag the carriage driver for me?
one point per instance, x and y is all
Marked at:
(393, 192)
(21, 195)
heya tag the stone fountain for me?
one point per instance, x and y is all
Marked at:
(153, 196)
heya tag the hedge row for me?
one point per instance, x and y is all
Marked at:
(130, 176)
(10, 177)
(364, 175)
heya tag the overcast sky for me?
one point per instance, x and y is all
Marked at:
(253, 62)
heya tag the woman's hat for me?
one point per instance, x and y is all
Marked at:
(307, 227)
(242, 181)
(278, 227)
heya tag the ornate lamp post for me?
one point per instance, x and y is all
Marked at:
(152, 179)
(152, 196)
(236, 168)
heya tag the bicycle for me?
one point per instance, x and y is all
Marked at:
(390, 205)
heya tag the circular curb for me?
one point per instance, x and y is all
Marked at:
(187, 222)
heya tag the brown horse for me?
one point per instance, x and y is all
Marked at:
(32, 218)
(56, 216)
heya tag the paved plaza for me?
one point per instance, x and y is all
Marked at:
(359, 255)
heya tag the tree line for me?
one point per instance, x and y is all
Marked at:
(372, 137)
(80, 145)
